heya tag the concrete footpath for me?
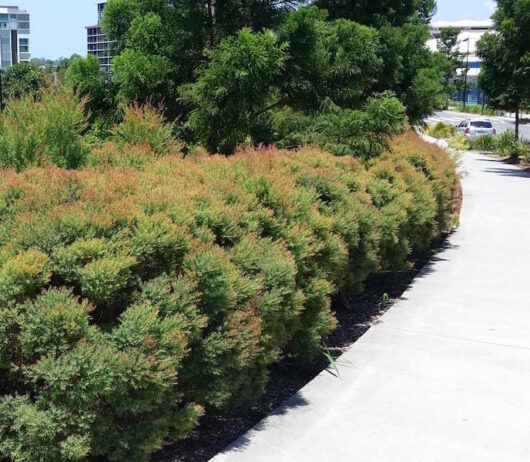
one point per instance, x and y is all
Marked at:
(444, 376)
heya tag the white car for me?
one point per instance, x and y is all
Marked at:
(476, 127)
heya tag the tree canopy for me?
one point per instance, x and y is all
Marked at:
(22, 79)
(208, 62)
(506, 58)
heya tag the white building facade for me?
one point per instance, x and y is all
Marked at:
(14, 36)
(470, 33)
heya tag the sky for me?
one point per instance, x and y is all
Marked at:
(453, 10)
(58, 26)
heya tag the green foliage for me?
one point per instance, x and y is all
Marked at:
(134, 299)
(440, 130)
(142, 77)
(475, 109)
(410, 70)
(380, 12)
(146, 125)
(44, 130)
(482, 143)
(505, 54)
(22, 79)
(220, 72)
(359, 133)
(234, 88)
(449, 48)
(506, 144)
(89, 81)
(459, 142)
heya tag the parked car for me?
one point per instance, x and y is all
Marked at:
(476, 127)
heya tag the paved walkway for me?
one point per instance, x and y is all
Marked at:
(445, 374)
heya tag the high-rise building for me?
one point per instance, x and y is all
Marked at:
(14, 36)
(98, 44)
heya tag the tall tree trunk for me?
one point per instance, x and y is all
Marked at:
(211, 146)
(517, 109)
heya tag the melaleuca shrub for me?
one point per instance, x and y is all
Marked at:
(43, 130)
(135, 298)
(145, 125)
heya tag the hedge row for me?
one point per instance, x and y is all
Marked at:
(132, 300)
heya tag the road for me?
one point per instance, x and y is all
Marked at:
(500, 123)
(444, 375)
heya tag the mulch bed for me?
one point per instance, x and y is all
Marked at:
(355, 315)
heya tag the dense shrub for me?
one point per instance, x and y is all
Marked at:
(362, 133)
(459, 142)
(133, 300)
(482, 143)
(476, 110)
(440, 130)
(145, 124)
(48, 129)
(506, 144)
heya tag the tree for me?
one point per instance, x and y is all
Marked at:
(22, 79)
(506, 58)
(90, 81)
(379, 12)
(327, 60)
(448, 46)
(406, 64)
(236, 86)
(426, 10)
(174, 35)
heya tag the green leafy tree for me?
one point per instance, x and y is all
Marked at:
(91, 82)
(327, 60)
(377, 13)
(406, 64)
(235, 87)
(506, 58)
(448, 46)
(143, 77)
(22, 79)
(426, 10)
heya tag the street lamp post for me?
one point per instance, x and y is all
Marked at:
(467, 69)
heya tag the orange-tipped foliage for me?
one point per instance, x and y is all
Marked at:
(134, 298)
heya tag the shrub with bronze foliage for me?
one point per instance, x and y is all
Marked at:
(133, 300)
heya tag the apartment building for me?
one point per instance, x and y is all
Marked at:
(14, 36)
(98, 44)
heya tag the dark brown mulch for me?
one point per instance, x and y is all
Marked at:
(355, 315)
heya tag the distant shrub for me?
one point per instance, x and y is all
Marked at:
(459, 142)
(475, 109)
(145, 125)
(133, 300)
(48, 129)
(507, 145)
(482, 143)
(440, 130)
